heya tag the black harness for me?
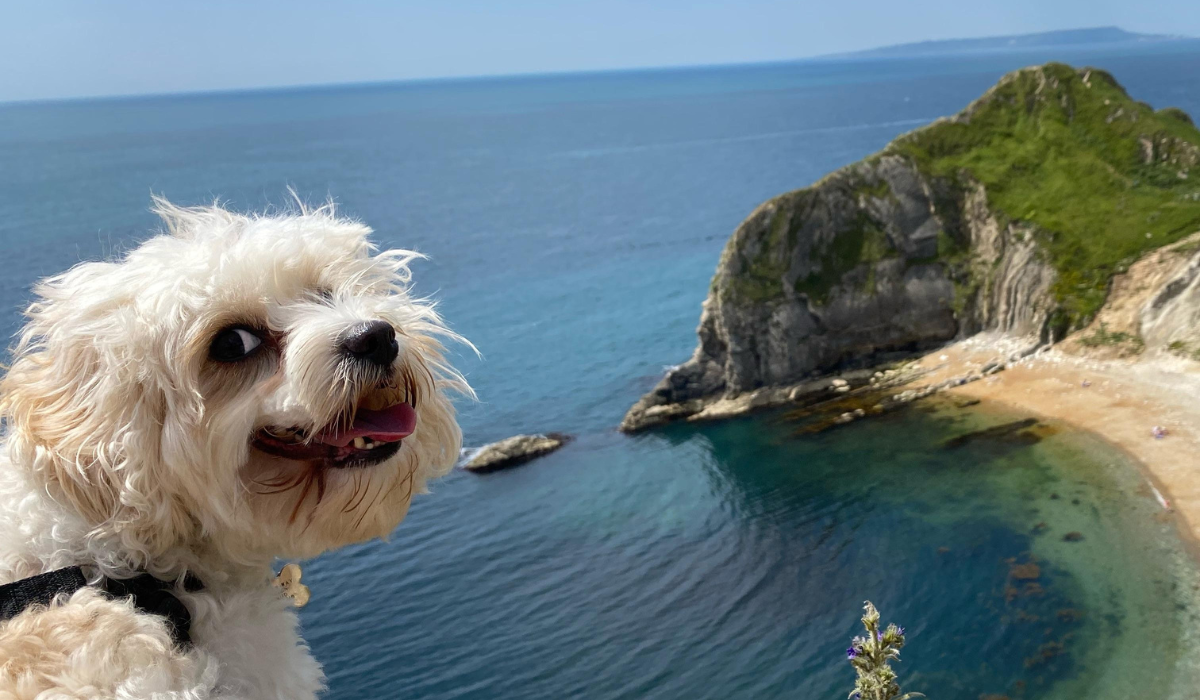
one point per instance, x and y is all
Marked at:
(149, 595)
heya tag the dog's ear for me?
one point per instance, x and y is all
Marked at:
(83, 413)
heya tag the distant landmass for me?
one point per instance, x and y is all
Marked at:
(1065, 37)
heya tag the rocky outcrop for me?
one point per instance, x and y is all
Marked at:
(1171, 318)
(513, 451)
(1152, 308)
(847, 274)
(919, 245)
(1015, 281)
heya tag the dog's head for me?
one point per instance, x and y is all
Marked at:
(247, 386)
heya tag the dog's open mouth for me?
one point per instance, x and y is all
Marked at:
(373, 436)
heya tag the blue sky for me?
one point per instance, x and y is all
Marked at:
(69, 48)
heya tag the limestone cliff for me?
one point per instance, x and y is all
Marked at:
(1153, 308)
(1011, 216)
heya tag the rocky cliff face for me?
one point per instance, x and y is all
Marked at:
(1008, 282)
(1153, 308)
(921, 243)
(1171, 318)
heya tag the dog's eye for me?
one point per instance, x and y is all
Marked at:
(233, 344)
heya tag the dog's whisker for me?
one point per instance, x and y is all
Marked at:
(363, 512)
(357, 489)
(320, 488)
(397, 483)
(281, 488)
(273, 483)
(308, 483)
(346, 507)
(312, 514)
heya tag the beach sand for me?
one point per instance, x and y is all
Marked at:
(1122, 400)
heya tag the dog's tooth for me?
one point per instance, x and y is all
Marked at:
(360, 443)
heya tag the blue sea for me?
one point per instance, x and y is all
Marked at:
(573, 223)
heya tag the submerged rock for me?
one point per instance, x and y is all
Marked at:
(1013, 432)
(1069, 615)
(514, 451)
(1028, 571)
(1045, 654)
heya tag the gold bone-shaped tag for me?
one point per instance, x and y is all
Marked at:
(289, 580)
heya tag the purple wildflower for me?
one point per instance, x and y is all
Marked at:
(851, 653)
(879, 636)
(900, 631)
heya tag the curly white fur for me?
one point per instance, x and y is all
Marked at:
(128, 449)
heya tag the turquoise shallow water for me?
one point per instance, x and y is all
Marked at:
(731, 561)
(573, 224)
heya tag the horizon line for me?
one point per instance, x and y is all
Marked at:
(864, 55)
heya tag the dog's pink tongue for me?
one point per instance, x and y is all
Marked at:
(389, 425)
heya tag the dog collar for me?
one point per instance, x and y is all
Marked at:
(148, 594)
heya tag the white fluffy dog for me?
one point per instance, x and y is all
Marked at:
(236, 390)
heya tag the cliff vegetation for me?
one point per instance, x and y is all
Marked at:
(1101, 178)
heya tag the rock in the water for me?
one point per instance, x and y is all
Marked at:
(514, 451)
(1025, 572)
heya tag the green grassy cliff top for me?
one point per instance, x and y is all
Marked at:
(1103, 178)
(1098, 177)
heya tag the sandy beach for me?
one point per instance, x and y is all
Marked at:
(1122, 400)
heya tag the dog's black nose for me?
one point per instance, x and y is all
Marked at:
(372, 341)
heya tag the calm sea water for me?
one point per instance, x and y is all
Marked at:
(573, 224)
